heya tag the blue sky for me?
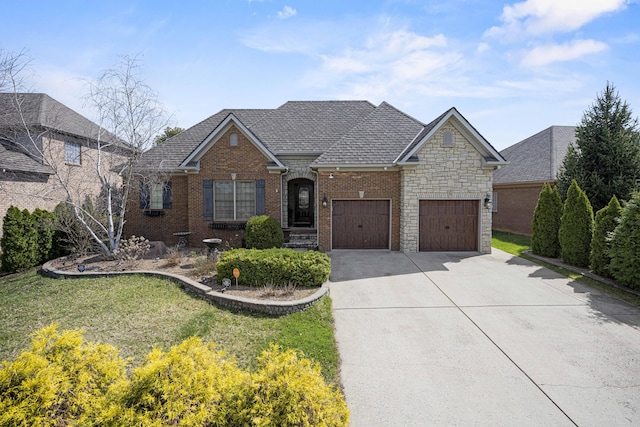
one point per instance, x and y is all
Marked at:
(512, 68)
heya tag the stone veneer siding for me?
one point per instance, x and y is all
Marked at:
(297, 169)
(445, 173)
(345, 185)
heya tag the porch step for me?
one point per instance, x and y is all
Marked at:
(299, 240)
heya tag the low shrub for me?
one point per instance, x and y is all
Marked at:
(288, 390)
(132, 249)
(625, 245)
(59, 380)
(62, 380)
(263, 232)
(278, 267)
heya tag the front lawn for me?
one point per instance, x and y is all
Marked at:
(136, 313)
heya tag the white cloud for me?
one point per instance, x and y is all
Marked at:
(535, 17)
(544, 55)
(287, 12)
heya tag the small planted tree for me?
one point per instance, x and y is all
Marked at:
(546, 223)
(625, 245)
(576, 227)
(605, 222)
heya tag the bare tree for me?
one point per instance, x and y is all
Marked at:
(129, 116)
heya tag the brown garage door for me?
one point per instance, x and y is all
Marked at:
(448, 225)
(360, 224)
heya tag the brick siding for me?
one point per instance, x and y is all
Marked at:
(516, 204)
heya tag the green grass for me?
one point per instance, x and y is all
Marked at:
(136, 313)
(516, 244)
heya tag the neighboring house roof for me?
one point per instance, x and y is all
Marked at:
(537, 158)
(39, 111)
(344, 133)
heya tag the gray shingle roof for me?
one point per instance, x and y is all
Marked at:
(339, 132)
(20, 162)
(537, 158)
(378, 139)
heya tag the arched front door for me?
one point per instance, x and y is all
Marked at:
(301, 203)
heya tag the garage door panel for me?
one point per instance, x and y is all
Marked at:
(448, 225)
(360, 224)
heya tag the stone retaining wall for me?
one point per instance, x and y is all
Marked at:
(276, 308)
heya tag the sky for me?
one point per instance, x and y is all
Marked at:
(512, 68)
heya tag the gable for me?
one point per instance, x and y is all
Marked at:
(453, 120)
(221, 135)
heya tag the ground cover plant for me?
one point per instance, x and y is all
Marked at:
(136, 313)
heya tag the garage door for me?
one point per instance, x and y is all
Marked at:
(448, 225)
(360, 224)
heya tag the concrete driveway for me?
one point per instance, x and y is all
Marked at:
(468, 339)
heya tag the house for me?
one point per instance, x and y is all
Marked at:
(351, 174)
(532, 163)
(44, 146)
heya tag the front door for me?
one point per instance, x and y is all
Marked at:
(303, 204)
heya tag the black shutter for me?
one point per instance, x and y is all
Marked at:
(260, 197)
(207, 198)
(144, 195)
(167, 199)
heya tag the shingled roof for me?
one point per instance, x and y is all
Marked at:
(38, 110)
(354, 133)
(537, 158)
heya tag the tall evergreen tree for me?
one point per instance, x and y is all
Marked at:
(606, 221)
(546, 222)
(606, 159)
(576, 227)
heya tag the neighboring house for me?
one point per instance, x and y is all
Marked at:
(41, 140)
(532, 163)
(352, 174)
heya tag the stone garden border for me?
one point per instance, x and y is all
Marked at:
(276, 308)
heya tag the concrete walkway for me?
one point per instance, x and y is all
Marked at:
(468, 339)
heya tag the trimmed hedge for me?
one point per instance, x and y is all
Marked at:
(63, 381)
(546, 223)
(605, 222)
(278, 267)
(576, 227)
(263, 232)
(625, 245)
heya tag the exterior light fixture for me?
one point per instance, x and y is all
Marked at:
(325, 202)
(487, 201)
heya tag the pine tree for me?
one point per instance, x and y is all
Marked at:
(625, 245)
(546, 222)
(606, 221)
(576, 227)
(606, 159)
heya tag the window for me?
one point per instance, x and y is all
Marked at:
(233, 139)
(494, 202)
(72, 153)
(155, 196)
(234, 200)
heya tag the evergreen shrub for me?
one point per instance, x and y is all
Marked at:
(605, 222)
(576, 227)
(546, 223)
(278, 267)
(19, 241)
(263, 232)
(45, 223)
(625, 245)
